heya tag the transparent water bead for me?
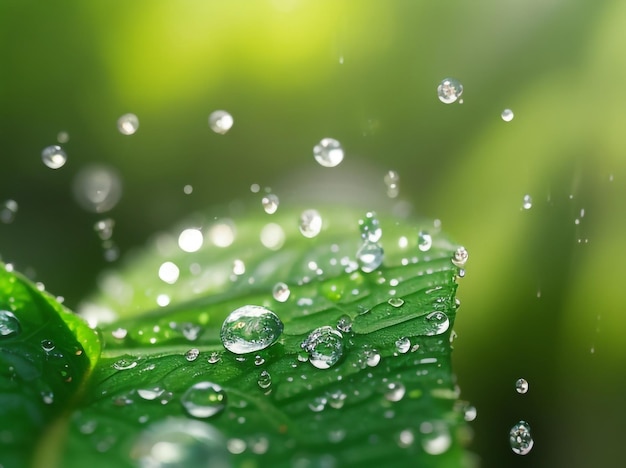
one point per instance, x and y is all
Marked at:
(8, 210)
(449, 90)
(438, 323)
(310, 223)
(180, 442)
(370, 256)
(507, 115)
(520, 438)
(97, 188)
(395, 302)
(192, 354)
(150, 393)
(370, 227)
(281, 292)
(128, 124)
(249, 329)
(403, 345)
(521, 386)
(325, 347)
(270, 203)
(190, 240)
(9, 324)
(54, 157)
(460, 257)
(47, 345)
(204, 399)
(527, 202)
(265, 380)
(221, 121)
(328, 152)
(104, 228)
(424, 241)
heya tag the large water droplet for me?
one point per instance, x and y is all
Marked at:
(281, 292)
(370, 256)
(460, 257)
(310, 223)
(438, 322)
(370, 228)
(325, 347)
(328, 152)
(249, 329)
(53, 156)
(449, 90)
(221, 121)
(9, 324)
(8, 210)
(270, 203)
(520, 438)
(521, 385)
(128, 124)
(204, 399)
(97, 188)
(507, 115)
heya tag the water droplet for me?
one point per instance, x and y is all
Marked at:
(460, 257)
(63, 137)
(53, 156)
(9, 324)
(521, 386)
(169, 272)
(97, 188)
(124, 364)
(424, 241)
(119, 333)
(272, 236)
(128, 124)
(527, 202)
(270, 203)
(370, 256)
(239, 268)
(204, 399)
(150, 393)
(214, 358)
(406, 438)
(395, 302)
(180, 442)
(403, 345)
(325, 347)
(104, 228)
(8, 211)
(310, 223)
(47, 345)
(439, 321)
(372, 357)
(370, 228)
(249, 329)
(449, 90)
(470, 413)
(392, 181)
(328, 152)
(281, 292)
(265, 380)
(190, 240)
(395, 391)
(507, 115)
(192, 354)
(47, 397)
(344, 324)
(318, 404)
(520, 438)
(221, 121)
(259, 360)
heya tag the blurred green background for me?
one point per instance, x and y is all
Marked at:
(543, 297)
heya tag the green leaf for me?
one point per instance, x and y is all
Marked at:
(389, 400)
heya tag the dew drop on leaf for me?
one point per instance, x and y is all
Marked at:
(239, 267)
(328, 152)
(449, 90)
(221, 121)
(192, 354)
(507, 115)
(395, 391)
(9, 324)
(325, 347)
(438, 322)
(460, 257)
(270, 203)
(520, 438)
(403, 345)
(281, 292)
(213, 358)
(54, 157)
(249, 329)
(124, 364)
(344, 324)
(204, 399)
(150, 393)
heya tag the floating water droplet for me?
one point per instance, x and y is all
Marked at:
(9, 324)
(370, 256)
(424, 241)
(403, 345)
(124, 364)
(310, 223)
(249, 329)
(527, 202)
(97, 188)
(8, 211)
(239, 268)
(119, 333)
(395, 302)
(281, 292)
(328, 152)
(150, 393)
(190, 240)
(128, 124)
(47, 345)
(520, 438)
(325, 347)
(370, 228)
(53, 156)
(449, 90)
(214, 357)
(63, 137)
(204, 399)
(344, 324)
(439, 321)
(104, 228)
(169, 272)
(221, 121)
(270, 203)
(395, 391)
(318, 404)
(265, 380)
(192, 354)
(521, 386)
(460, 257)
(507, 115)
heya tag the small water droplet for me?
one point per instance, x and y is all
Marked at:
(310, 223)
(9, 324)
(325, 347)
(392, 181)
(520, 438)
(47, 345)
(150, 393)
(370, 228)
(104, 228)
(190, 240)
(460, 257)
(318, 404)
(8, 210)
(249, 329)
(370, 256)
(527, 202)
(47, 397)
(128, 124)
(265, 380)
(192, 354)
(259, 360)
(424, 241)
(119, 333)
(395, 391)
(97, 188)
(507, 115)
(281, 292)
(239, 267)
(54, 157)
(328, 152)
(214, 358)
(344, 324)
(204, 399)
(221, 121)
(395, 302)
(403, 345)
(169, 272)
(521, 386)
(439, 321)
(124, 364)
(449, 90)
(270, 203)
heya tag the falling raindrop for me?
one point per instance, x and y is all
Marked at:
(507, 115)
(281, 292)
(8, 210)
(150, 393)
(204, 399)
(310, 223)
(124, 364)
(104, 228)
(128, 124)
(460, 257)
(394, 391)
(97, 188)
(325, 347)
(449, 90)
(265, 380)
(214, 358)
(520, 438)
(328, 152)
(270, 203)
(192, 354)
(424, 241)
(249, 329)
(54, 157)
(370, 256)
(221, 121)
(527, 202)
(521, 385)
(370, 228)
(9, 324)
